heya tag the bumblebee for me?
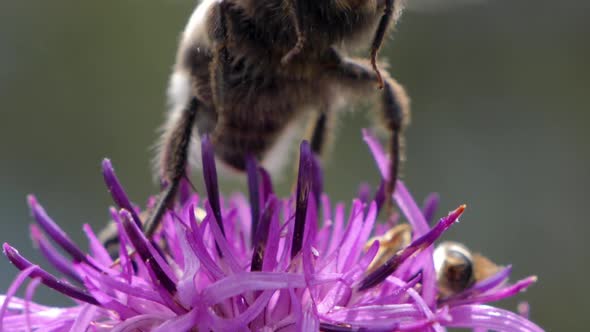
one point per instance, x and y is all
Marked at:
(457, 268)
(249, 72)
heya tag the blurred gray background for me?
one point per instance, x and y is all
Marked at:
(500, 117)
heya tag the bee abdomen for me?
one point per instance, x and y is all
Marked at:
(233, 145)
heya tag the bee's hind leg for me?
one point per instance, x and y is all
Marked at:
(359, 76)
(177, 143)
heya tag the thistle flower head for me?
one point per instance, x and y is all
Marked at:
(258, 264)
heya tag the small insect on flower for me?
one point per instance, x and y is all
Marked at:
(249, 72)
(457, 269)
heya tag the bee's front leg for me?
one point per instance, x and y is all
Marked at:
(291, 10)
(177, 138)
(174, 159)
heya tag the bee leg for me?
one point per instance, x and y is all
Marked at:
(379, 36)
(177, 138)
(319, 131)
(319, 138)
(109, 237)
(358, 75)
(291, 8)
(173, 163)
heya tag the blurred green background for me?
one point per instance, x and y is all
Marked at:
(500, 117)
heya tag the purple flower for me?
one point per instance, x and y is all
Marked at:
(263, 264)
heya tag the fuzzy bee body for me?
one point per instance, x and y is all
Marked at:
(248, 72)
(261, 95)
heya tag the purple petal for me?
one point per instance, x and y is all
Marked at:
(309, 237)
(304, 184)
(187, 291)
(185, 189)
(524, 309)
(310, 322)
(418, 300)
(364, 192)
(223, 247)
(249, 281)
(482, 286)
(243, 319)
(496, 295)
(323, 237)
(376, 317)
(266, 186)
(99, 252)
(425, 260)
(380, 196)
(430, 206)
(369, 255)
(361, 234)
(29, 293)
(46, 278)
(261, 238)
(180, 323)
(142, 246)
(353, 228)
(53, 256)
(396, 296)
(253, 189)
(18, 304)
(296, 309)
(378, 153)
(41, 318)
(428, 324)
(486, 317)
(108, 303)
(210, 176)
(365, 232)
(198, 245)
(169, 299)
(117, 192)
(317, 179)
(326, 208)
(84, 319)
(18, 281)
(111, 283)
(287, 230)
(337, 229)
(56, 233)
(272, 245)
(124, 258)
(327, 327)
(170, 235)
(140, 323)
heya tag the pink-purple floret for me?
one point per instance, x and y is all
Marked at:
(304, 268)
